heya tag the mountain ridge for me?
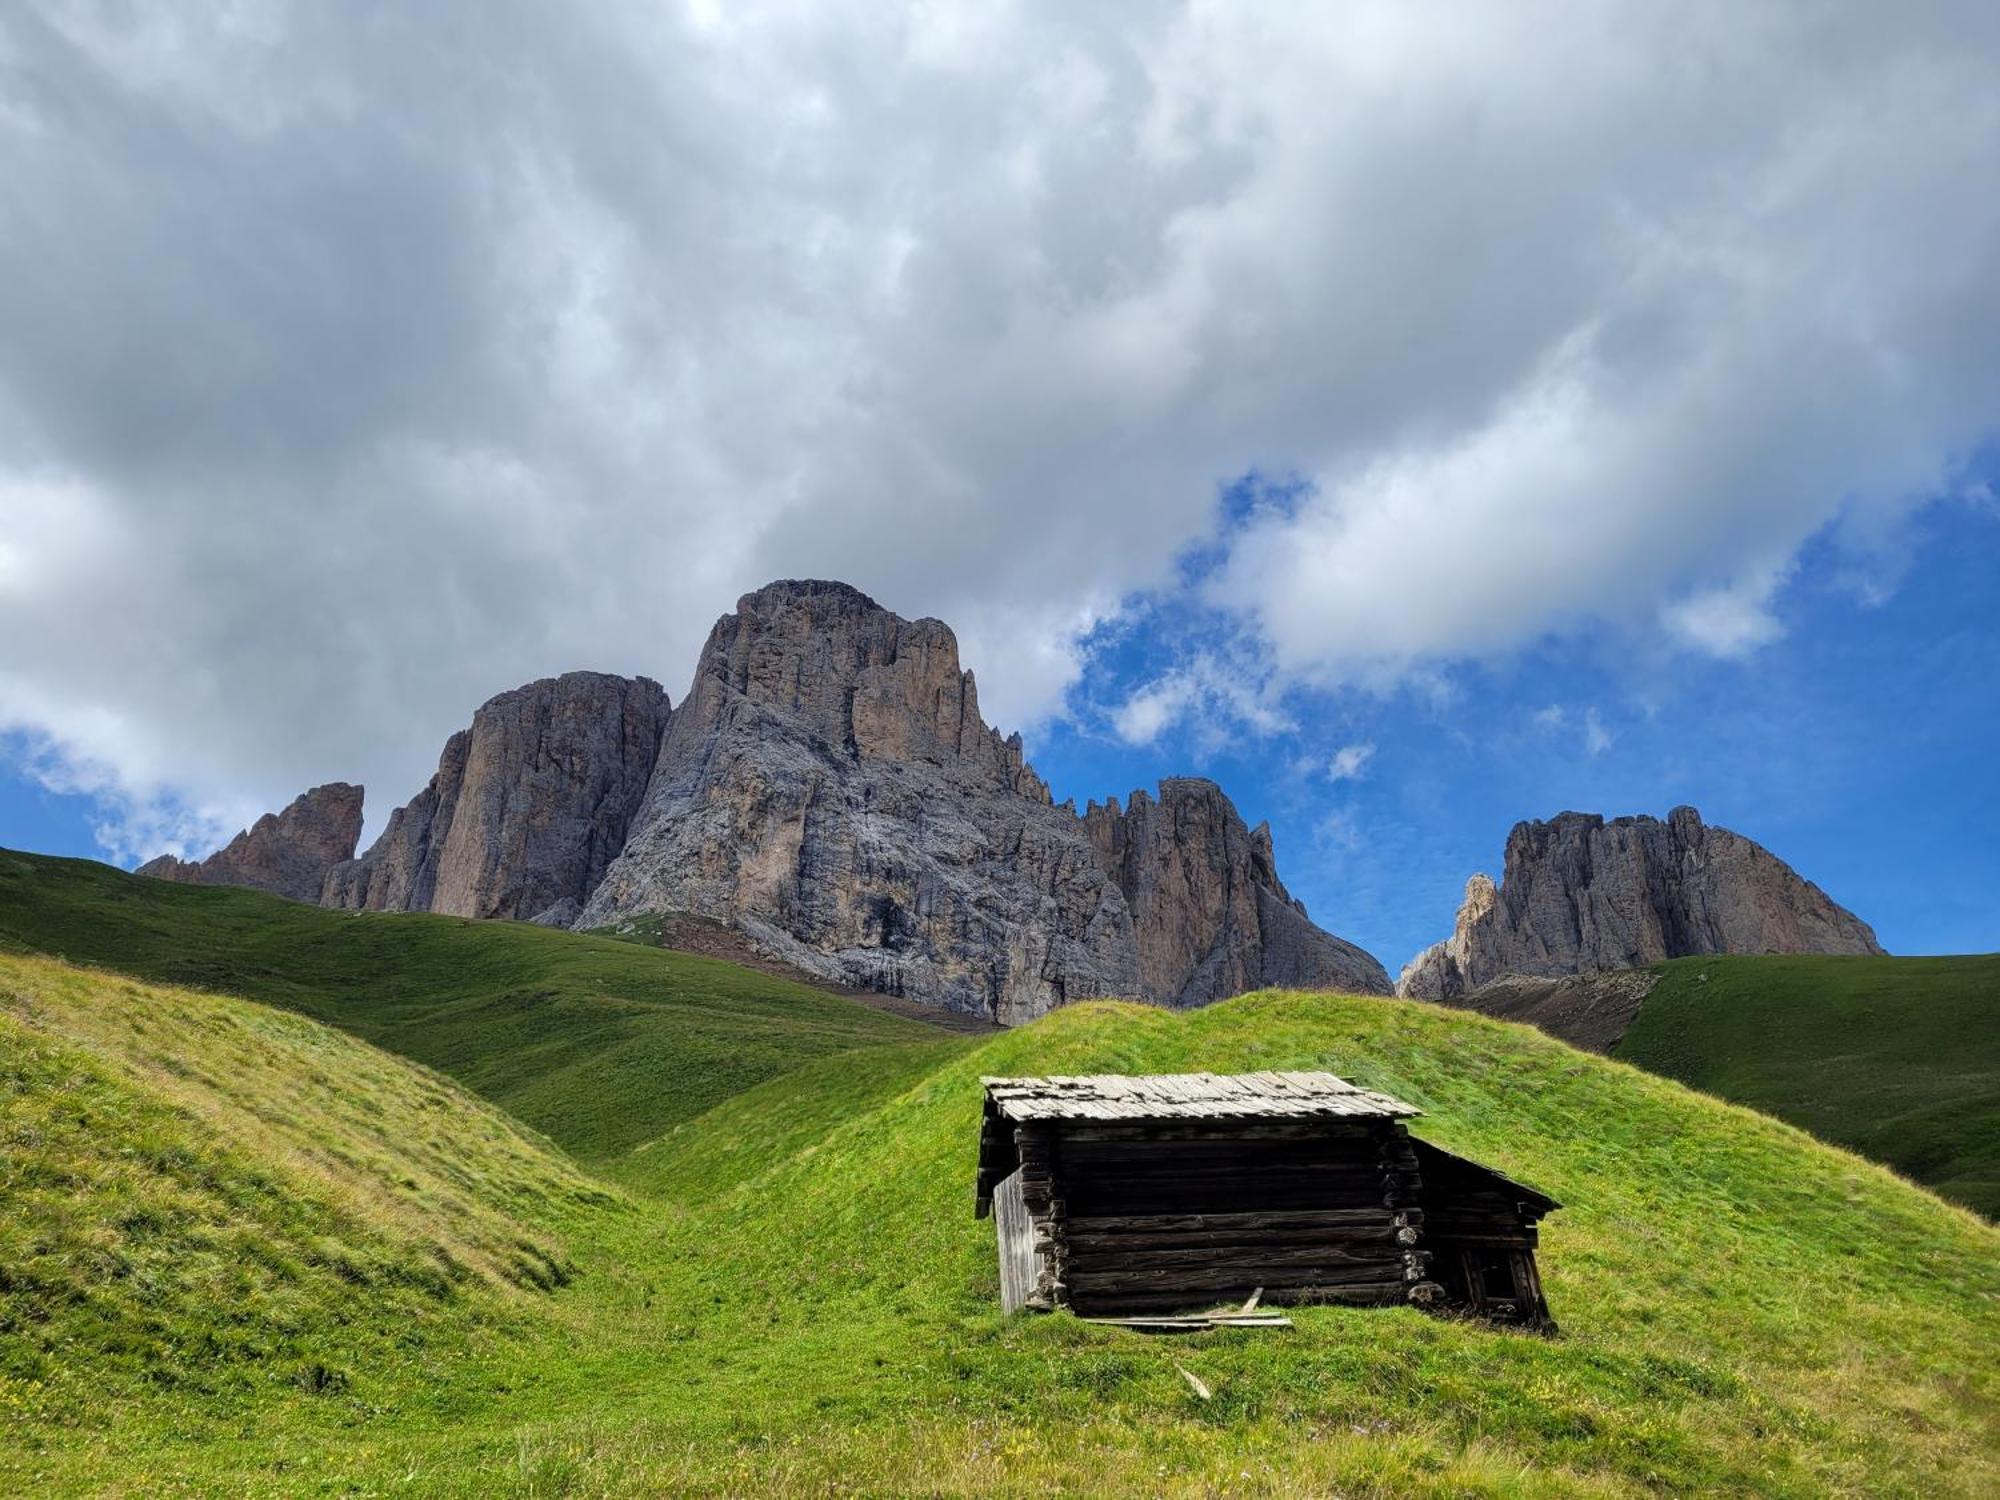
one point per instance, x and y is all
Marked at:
(1581, 894)
(527, 808)
(829, 789)
(288, 853)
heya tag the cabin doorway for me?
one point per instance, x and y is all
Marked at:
(1490, 1281)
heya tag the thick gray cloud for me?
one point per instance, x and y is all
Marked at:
(359, 361)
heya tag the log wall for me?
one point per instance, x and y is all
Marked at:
(1173, 1216)
(1131, 1217)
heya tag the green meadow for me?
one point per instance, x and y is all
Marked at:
(598, 1043)
(314, 1237)
(1898, 1058)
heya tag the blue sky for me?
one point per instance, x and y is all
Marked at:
(1618, 386)
(46, 822)
(1862, 746)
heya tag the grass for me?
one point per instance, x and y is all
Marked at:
(599, 1044)
(788, 1293)
(1897, 1058)
(208, 1207)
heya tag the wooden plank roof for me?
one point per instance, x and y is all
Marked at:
(1189, 1096)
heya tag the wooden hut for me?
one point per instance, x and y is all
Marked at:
(1121, 1196)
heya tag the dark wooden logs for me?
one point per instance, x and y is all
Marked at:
(1036, 1149)
(1089, 1294)
(1103, 1151)
(1090, 1257)
(1380, 1233)
(1385, 1293)
(1252, 1220)
(1168, 1216)
(1244, 1191)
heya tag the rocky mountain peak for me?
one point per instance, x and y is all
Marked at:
(287, 853)
(1210, 917)
(828, 597)
(830, 788)
(831, 660)
(528, 808)
(1579, 893)
(830, 791)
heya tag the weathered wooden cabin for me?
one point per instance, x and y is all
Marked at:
(1120, 1196)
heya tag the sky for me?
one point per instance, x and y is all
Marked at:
(1416, 416)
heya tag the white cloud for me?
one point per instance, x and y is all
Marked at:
(1216, 695)
(1350, 762)
(1338, 833)
(1733, 354)
(1591, 731)
(1149, 712)
(1596, 738)
(1725, 622)
(353, 370)
(134, 820)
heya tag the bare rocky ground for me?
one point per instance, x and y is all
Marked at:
(1586, 1010)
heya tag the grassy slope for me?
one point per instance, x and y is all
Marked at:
(808, 1305)
(600, 1044)
(1743, 1308)
(1898, 1058)
(741, 1137)
(209, 1208)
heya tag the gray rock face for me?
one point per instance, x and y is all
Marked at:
(829, 794)
(830, 790)
(287, 853)
(527, 810)
(1210, 917)
(1579, 894)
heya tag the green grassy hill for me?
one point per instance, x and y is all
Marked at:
(208, 1207)
(599, 1044)
(1898, 1058)
(606, 1044)
(789, 1293)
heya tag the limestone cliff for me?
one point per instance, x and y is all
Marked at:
(1210, 917)
(287, 853)
(528, 808)
(830, 792)
(829, 789)
(1579, 894)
